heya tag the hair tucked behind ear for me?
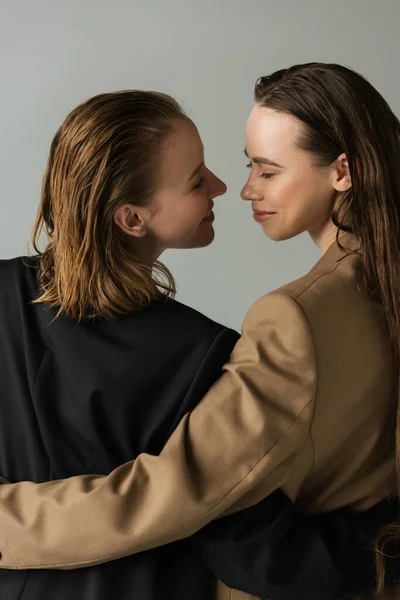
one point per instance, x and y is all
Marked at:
(103, 155)
(341, 112)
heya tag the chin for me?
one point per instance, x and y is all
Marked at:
(207, 241)
(280, 235)
(201, 241)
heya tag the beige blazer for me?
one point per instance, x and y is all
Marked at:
(307, 403)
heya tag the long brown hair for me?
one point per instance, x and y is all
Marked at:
(103, 155)
(341, 112)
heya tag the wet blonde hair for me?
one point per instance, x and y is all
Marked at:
(103, 155)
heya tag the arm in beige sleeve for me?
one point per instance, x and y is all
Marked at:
(249, 427)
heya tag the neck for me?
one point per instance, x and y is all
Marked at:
(325, 237)
(146, 251)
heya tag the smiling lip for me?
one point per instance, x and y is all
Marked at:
(209, 218)
(261, 216)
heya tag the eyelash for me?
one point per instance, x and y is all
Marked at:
(263, 175)
(199, 184)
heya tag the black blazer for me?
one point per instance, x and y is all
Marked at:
(85, 398)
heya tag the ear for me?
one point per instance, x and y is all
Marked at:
(131, 220)
(342, 179)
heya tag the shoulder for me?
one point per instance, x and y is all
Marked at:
(17, 273)
(177, 318)
(9, 267)
(285, 310)
(345, 273)
(167, 333)
(200, 341)
(292, 312)
(278, 319)
(337, 282)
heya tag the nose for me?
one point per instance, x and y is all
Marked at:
(251, 192)
(216, 187)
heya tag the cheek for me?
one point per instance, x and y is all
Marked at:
(188, 214)
(308, 205)
(303, 203)
(296, 193)
(293, 201)
(180, 220)
(280, 193)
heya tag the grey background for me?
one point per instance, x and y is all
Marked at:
(206, 53)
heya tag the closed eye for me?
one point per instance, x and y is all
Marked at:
(199, 184)
(263, 175)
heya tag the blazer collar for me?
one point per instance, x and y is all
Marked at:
(334, 253)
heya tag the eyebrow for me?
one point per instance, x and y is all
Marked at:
(197, 169)
(259, 160)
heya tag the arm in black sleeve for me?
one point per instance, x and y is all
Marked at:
(272, 551)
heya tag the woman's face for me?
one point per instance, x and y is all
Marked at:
(180, 213)
(289, 194)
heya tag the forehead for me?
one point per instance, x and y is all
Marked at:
(183, 145)
(270, 131)
(182, 151)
